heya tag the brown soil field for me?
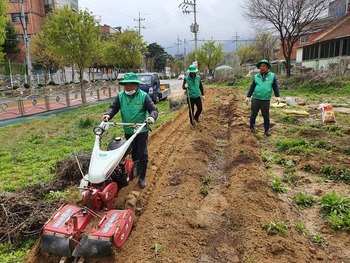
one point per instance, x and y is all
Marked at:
(179, 223)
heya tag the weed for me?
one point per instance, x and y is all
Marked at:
(334, 203)
(277, 185)
(157, 249)
(334, 173)
(9, 253)
(204, 191)
(319, 239)
(54, 195)
(336, 209)
(276, 228)
(289, 119)
(85, 123)
(303, 200)
(333, 128)
(300, 145)
(300, 227)
(206, 179)
(347, 150)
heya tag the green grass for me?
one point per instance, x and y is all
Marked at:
(277, 186)
(300, 228)
(277, 227)
(336, 209)
(303, 200)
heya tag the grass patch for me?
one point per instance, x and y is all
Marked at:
(294, 146)
(334, 173)
(336, 210)
(276, 228)
(277, 186)
(303, 200)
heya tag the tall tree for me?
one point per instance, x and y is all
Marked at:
(42, 53)
(11, 42)
(74, 37)
(209, 56)
(3, 22)
(247, 54)
(291, 19)
(156, 57)
(129, 50)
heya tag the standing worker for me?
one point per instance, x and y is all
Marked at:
(261, 89)
(136, 106)
(194, 93)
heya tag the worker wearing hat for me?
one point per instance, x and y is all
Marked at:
(194, 93)
(136, 106)
(261, 91)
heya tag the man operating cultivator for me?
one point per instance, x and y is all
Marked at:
(75, 232)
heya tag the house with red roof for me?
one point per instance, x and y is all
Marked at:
(328, 47)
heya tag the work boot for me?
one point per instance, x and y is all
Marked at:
(197, 120)
(142, 183)
(252, 130)
(267, 133)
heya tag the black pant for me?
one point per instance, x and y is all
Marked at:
(139, 152)
(191, 102)
(264, 106)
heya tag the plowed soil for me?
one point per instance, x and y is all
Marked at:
(188, 218)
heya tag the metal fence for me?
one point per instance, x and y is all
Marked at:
(22, 102)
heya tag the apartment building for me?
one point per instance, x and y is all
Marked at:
(34, 12)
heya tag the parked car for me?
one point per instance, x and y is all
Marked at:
(181, 77)
(153, 87)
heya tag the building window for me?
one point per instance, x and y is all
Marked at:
(324, 50)
(304, 39)
(16, 17)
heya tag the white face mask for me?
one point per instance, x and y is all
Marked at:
(131, 92)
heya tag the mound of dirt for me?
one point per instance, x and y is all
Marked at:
(209, 197)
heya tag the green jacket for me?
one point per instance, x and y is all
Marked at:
(193, 86)
(132, 109)
(262, 87)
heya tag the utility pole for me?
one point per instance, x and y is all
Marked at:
(194, 27)
(139, 20)
(177, 45)
(26, 42)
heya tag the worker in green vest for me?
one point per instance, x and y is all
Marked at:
(261, 90)
(194, 93)
(136, 106)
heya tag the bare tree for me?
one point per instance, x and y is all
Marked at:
(265, 44)
(291, 19)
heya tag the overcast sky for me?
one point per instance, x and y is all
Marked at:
(163, 22)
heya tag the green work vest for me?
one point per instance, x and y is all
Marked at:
(193, 86)
(263, 88)
(132, 109)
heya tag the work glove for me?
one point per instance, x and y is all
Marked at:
(203, 97)
(247, 99)
(278, 100)
(185, 86)
(106, 117)
(150, 120)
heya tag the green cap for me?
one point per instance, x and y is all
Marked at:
(192, 69)
(263, 61)
(130, 78)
